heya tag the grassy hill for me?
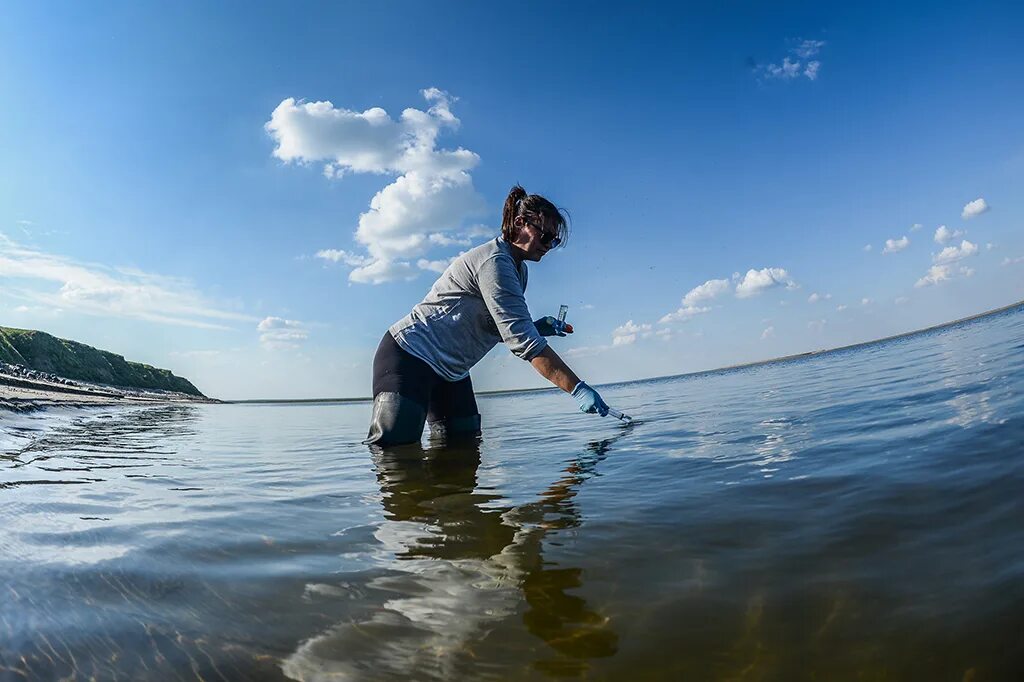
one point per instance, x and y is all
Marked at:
(72, 360)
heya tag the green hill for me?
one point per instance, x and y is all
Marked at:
(45, 353)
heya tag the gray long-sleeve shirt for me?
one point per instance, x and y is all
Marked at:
(477, 302)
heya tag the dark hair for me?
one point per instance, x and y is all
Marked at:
(534, 206)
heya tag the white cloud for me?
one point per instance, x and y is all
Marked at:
(815, 297)
(943, 234)
(896, 245)
(446, 240)
(201, 354)
(817, 325)
(55, 281)
(585, 351)
(900, 300)
(866, 301)
(758, 281)
(277, 332)
(935, 274)
(683, 314)
(840, 308)
(347, 257)
(793, 68)
(1013, 261)
(705, 292)
(768, 333)
(989, 246)
(789, 69)
(629, 333)
(951, 254)
(808, 48)
(974, 208)
(915, 227)
(425, 206)
(380, 271)
(868, 247)
(436, 265)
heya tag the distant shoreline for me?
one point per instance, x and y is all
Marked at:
(727, 368)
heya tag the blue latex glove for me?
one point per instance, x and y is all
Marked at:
(550, 326)
(589, 399)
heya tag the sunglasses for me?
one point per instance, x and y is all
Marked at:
(547, 238)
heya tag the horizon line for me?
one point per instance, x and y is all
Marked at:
(726, 368)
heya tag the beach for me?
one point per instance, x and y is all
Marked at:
(26, 391)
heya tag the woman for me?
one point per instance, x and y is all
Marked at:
(421, 369)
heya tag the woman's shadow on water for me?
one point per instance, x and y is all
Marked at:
(473, 561)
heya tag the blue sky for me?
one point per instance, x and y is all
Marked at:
(176, 187)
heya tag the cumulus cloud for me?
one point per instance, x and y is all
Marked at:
(346, 257)
(436, 265)
(1013, 261)
(705, 292)
(896, 245)
(951, 254)
(866, 301)
(629, 333)
(277, 332)
(935, 274)
(900, 300)
(841, 307)
(868, 247)
(683, 314)
(380, 271)
(711, 289)
(915, 227)
(815, 297)
(758, 281)
(799, 64)
(808, 48)
(974, 208)
(943, 234)
(55, 281)
(768, 333)
(942, 273)
(428, 203)
(787, 70)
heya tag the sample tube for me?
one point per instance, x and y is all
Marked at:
(619, 415)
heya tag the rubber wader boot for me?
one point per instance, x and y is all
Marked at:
(396, 420)
(456, 427)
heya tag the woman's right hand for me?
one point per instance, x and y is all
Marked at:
(589, 400)
(550, 326)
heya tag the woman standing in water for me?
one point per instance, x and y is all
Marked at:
(421, 369)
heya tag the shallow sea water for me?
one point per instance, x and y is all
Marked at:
(857, 515)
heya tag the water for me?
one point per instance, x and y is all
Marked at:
(857, 515)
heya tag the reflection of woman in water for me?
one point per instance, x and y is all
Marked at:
(465, 565)
(440, 493)
(421, 368)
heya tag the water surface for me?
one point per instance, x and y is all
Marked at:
(854, 515)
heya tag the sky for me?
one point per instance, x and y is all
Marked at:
(250, 196)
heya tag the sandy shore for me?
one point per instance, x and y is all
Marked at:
(24, 395)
